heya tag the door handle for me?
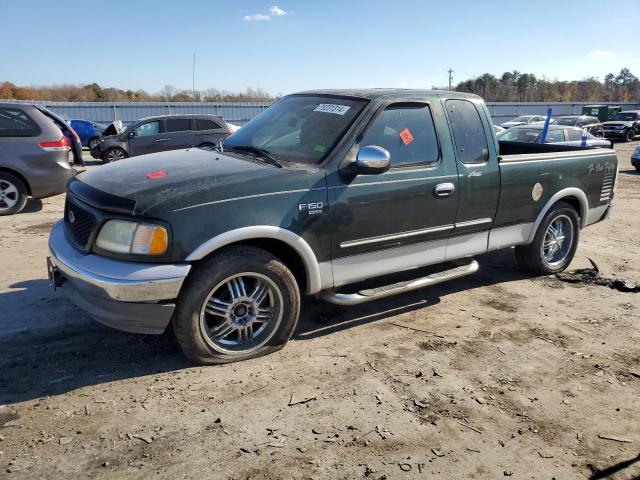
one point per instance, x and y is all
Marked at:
(444, 189)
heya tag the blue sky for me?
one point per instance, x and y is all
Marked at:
(289, 45)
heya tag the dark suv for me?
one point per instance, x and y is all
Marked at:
(624, 125)
(590, 124)
(161, 133)
(36, 149)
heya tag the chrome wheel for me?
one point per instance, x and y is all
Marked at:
(9, 195)
(115, 154)
(241, 313)
(558, 240)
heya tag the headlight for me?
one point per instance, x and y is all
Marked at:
(121, 236)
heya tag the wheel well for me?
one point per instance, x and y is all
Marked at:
(575, 203)
(282, 251)
(16, 174)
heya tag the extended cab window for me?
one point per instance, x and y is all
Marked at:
(146, 129)
(468, 132)
(16, 123)
(177, 124)
(406, 130)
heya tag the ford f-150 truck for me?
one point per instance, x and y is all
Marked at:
(321, 192)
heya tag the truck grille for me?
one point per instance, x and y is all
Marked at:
(78, 223)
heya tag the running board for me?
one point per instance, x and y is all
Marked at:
(371, 294)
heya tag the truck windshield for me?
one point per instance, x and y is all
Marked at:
(299, 128)
(625, 117)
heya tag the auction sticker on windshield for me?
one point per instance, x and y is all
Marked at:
(332, 108)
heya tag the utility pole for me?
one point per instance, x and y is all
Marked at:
(450, 77)
(193, 78)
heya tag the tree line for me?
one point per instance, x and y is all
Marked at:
(95, 93)
(526, 87)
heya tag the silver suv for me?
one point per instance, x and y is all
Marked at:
(36, 149)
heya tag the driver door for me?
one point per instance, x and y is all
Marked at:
(402, 218)
(148, 138)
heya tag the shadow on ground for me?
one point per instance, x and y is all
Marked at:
(50, 347)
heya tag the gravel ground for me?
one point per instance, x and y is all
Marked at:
(497, 375)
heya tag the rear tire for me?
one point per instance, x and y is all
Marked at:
(13, 194)
(241, 303)
(113, 154)
(549, 252)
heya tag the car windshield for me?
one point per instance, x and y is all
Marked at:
(299, 128)
(566, 121)
(527, 135)
(521, 119)
(627, 117)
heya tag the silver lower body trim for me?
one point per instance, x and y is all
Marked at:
(596, 214)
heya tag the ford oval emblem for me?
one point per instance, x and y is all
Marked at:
(72, 217)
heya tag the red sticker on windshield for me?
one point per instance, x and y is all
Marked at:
(158, 174)
(406, 137)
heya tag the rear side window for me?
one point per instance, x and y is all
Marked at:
(406, 130)
(554, 136)
(16, 123)
(468, 132)
(203, 124)
(574, 135)
(178, 124)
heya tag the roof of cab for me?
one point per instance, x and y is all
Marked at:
(374, 93)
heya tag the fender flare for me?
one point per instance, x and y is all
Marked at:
(299, 245)
(564, 193)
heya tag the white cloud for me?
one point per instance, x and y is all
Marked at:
(601, 55)
(258, 17)
(276, 11)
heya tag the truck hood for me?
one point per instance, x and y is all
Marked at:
(155, 183)
(617, 123)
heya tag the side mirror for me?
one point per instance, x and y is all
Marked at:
(372, 160)
(131, 134)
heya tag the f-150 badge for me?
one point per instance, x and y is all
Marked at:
(313, 208)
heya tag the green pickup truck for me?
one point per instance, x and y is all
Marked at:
(327, 193)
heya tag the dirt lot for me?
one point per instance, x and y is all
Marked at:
(497, 375)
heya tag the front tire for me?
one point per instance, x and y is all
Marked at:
(113, 155)
(629, 136)
(13, 194)
(241, 303)
(555, 242)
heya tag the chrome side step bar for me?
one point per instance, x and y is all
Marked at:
(371, 294)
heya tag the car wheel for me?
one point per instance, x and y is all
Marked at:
(113, 154)
(555, 242)
(241, 303)
(13, 194)
(93, 142)
(630, 135)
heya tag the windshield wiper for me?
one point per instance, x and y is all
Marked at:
(261, 153)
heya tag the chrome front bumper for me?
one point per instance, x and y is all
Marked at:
(130, 296)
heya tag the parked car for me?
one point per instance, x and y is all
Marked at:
(322, 191)
(36, 149)
(635, 158)
(88, 131)
(523, 120)
(624, 125)
(557, 134)
(590, 124)
(157, 134)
